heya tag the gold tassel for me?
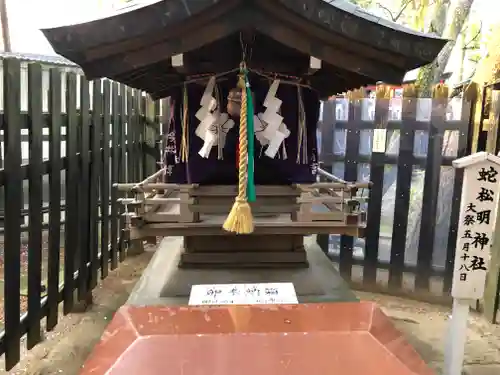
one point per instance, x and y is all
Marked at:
(185, 131)
(240, 219)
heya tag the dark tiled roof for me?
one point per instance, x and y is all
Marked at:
(48, 59)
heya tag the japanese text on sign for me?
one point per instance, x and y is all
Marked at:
(475, 230)
(243, 294)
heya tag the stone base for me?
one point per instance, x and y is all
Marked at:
(164, 283)
(353, 338)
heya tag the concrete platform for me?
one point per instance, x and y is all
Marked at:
(163, 283)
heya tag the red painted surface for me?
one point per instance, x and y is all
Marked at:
(316, 339)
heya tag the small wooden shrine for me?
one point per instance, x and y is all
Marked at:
(245, 79)
(238, 182)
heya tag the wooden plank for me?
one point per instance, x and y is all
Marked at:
(402, 204)
(327, 216)
(54, 240)
(147, 186)
(13, 204)
(115, 155)
(132, 162)
(161, 218)
(244, 258)
(154, 200)
(35, 107)
(350, 174)
(254, 243)
(377, 170)
(327, 128)
(228, 201)
(256, 209)
(320, 199)
(122, 163)
(261, 227)
(137, 134)
(72, 175)
(105, 180)
(232, 191)
(464, 142)
(430, 195)
(95, 173)
(83, 191)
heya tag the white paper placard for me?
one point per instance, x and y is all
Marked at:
(243, 294)
(342, 109)
(379, 140)
(367, 109)
(424, 109)
(395, 109)
(476, 225)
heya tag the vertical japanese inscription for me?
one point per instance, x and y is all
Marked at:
(479, 199)
(170, 156)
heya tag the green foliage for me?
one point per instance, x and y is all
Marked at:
(473, 40)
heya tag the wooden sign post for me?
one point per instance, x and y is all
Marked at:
(474, 238)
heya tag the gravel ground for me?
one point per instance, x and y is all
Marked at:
(425, 327)
(65, 349)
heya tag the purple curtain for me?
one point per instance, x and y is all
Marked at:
(224, 172)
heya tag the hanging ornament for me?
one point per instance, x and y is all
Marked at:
(260, 126)
(205, 114)
(302, 130)
(240, 220)
(270, 130)
(276, 141)
(185, 126)
(216, 134)
(213, 125)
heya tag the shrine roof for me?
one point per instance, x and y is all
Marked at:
(356, 48)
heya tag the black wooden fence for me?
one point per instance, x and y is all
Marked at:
(413, 207)
(103, 127)
(110, 136)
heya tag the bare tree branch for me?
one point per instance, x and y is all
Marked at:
(467, 45)
(396, 17)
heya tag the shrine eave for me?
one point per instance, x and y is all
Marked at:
(136, 47)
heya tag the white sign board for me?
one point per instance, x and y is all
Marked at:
(341, 109)
(475, 229)
(379, 140)
(367, 109)
(243, 294)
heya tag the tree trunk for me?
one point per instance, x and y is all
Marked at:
(4, 19)
(428, 76)
(487, 71)
(460, 15)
